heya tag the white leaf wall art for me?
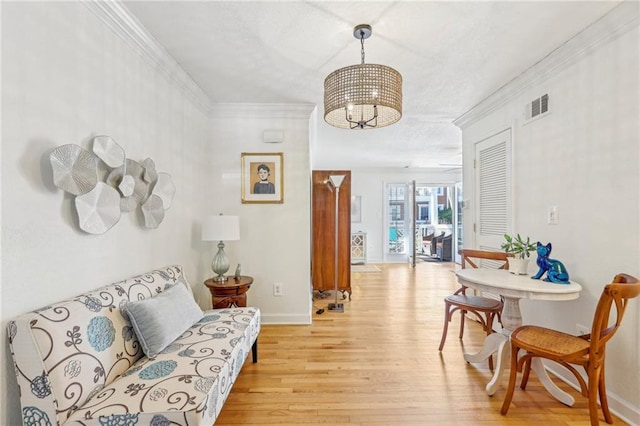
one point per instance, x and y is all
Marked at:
(140, 189)
(150, 174)
(153, 211)
(127, 185)
(99, 209)
(75, 169)
(108, 151)
(165, 189)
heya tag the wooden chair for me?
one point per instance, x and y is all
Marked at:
(587, 350)
(484, 308)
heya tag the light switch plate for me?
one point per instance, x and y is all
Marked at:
(552, 215)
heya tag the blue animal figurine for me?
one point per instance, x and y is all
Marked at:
(556, 272)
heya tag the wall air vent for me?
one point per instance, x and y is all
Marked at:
(537, 108)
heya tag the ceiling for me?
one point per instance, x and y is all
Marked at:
(451, 55)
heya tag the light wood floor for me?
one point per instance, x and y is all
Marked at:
(378, 364)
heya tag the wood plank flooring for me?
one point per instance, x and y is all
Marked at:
(378, 364)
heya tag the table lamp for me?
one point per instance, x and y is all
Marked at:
(221, 228)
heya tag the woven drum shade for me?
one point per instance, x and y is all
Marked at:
(363, 87)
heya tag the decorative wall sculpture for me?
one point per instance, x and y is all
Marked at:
(98, 209)
(131, 170)
(75, 169)
(108, 151)
(164, 189)
(153, 211)
(128, 185)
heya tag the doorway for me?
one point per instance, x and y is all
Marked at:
(416, 214)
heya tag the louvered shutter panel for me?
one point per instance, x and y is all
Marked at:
(493, 189)
(493, 194)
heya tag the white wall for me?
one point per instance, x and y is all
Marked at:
(68, 75)
(370, 184)
(275, 242)
(66, 78)
(583, 158)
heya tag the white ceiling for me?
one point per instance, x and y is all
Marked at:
(451, 55)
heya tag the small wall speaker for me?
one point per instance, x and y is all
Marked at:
(273, 136)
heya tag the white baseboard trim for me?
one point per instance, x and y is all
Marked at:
(286, 319)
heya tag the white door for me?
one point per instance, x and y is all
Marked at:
(493, 190)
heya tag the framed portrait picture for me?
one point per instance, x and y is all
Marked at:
(262, 177)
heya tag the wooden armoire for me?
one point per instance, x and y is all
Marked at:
(323, 212)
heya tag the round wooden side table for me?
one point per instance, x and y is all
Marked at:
(228, 293)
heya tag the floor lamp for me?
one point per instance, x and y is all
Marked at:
(336, 181)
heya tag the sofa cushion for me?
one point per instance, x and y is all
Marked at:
(161, 319)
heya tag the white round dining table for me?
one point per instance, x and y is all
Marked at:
(512, 288)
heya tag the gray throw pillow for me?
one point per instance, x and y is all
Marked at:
(161, 319)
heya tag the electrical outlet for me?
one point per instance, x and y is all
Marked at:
(581, 329)
(277, 289)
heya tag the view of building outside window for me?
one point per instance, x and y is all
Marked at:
(434, 215)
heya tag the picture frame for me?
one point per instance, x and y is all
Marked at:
(356, 215)
(262, 177)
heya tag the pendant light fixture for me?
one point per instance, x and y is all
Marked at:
(363, 96)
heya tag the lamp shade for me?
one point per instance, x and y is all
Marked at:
(363, 96)
(336, 180)
(221, 228)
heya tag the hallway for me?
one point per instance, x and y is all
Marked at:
(378, 364)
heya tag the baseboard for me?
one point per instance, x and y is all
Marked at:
(285, 319)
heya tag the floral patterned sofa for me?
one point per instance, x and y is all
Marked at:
(79, 361)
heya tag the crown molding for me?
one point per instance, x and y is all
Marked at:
(257, 110)
(121, 21)
(615, 23)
